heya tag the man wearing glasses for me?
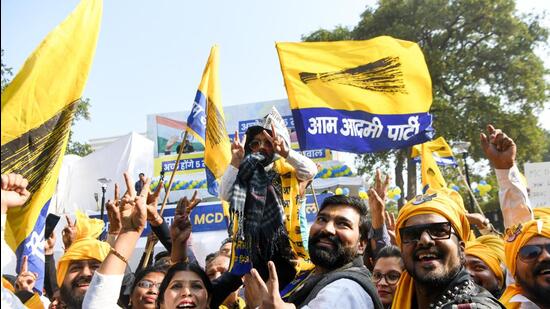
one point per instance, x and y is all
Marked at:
(527, 239)
(431, 231)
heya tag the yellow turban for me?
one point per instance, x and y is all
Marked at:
(516, 237)
(440, 202)
(490, 249)
(85, 247)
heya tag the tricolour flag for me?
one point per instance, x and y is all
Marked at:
(441, 151)
(37, 110)
(358, 96)
(206, 122)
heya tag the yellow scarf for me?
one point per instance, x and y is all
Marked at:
(433, 202)
(85, 247)
(490, 249)
(516, 237)
(290, 188)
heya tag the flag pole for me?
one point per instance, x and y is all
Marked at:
(150, 245)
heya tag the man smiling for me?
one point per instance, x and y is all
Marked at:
(80, 261)
(432, 229)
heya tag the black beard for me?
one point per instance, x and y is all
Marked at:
(327, 258)
(432, 280)
(534, 292)
(70, 300)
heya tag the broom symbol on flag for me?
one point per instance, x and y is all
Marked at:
(382, 75)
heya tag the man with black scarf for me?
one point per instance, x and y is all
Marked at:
(262, 185)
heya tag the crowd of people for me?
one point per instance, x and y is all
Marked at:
(353, 255)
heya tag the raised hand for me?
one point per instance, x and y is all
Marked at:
(14, 191)
(26, 279)
(279, 144)
(237, 150)
(390, 225)
(269, 292)
(113, 213)
(133, 209)
(498, 148)
(152, 203)
(377, 196)
(68, 233)
(180, 230)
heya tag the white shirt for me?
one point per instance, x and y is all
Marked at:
(8, 299)
(342, 293)
(305, 170)
(103, 291)
(513, 198)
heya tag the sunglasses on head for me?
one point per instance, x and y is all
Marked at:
(391, 277)
(529, 253)
(436, 231)
(146, 284)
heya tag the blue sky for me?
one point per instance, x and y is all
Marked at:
(151, 54)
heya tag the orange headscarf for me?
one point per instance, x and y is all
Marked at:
(440, 202)
(85, 247)
(516, 237)
(490, 249)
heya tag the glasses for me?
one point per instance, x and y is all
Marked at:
(530, 253)
(146, 284)
(437, 231)
(391, 277)
(256, 144)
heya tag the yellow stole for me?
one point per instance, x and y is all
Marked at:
(291, 189)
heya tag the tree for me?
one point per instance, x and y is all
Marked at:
(6, 73)
(482, 63)
(82, 112)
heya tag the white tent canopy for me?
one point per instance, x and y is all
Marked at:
(78, 180)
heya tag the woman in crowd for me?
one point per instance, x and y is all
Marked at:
(387, 271)
(185, 286)
(145, 289)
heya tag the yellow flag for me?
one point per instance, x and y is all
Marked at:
(37, 110)
(431, 175)
(363, 96)
(207, 123)
(442, 152)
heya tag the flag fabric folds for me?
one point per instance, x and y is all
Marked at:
(441, 151)
(362, 96)
(207, 123)
(431, 175)
(37, 110)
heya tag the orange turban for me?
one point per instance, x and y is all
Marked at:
(516, 237)
(85, 247)
(441, 202)
(490, 249)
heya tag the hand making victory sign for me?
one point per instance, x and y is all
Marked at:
(237, 150)
(278, 143)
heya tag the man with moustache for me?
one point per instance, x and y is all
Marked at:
(431, 231)
(339, 279)
(80, 261)
(527, 239)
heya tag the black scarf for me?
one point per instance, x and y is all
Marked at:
(258, 207)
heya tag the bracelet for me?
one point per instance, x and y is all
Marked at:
(118, 255)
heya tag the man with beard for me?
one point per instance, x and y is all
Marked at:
(484, 262)
(80, 261)
(262, 185)
(431, 230)
(527, 239)
(339, 279)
